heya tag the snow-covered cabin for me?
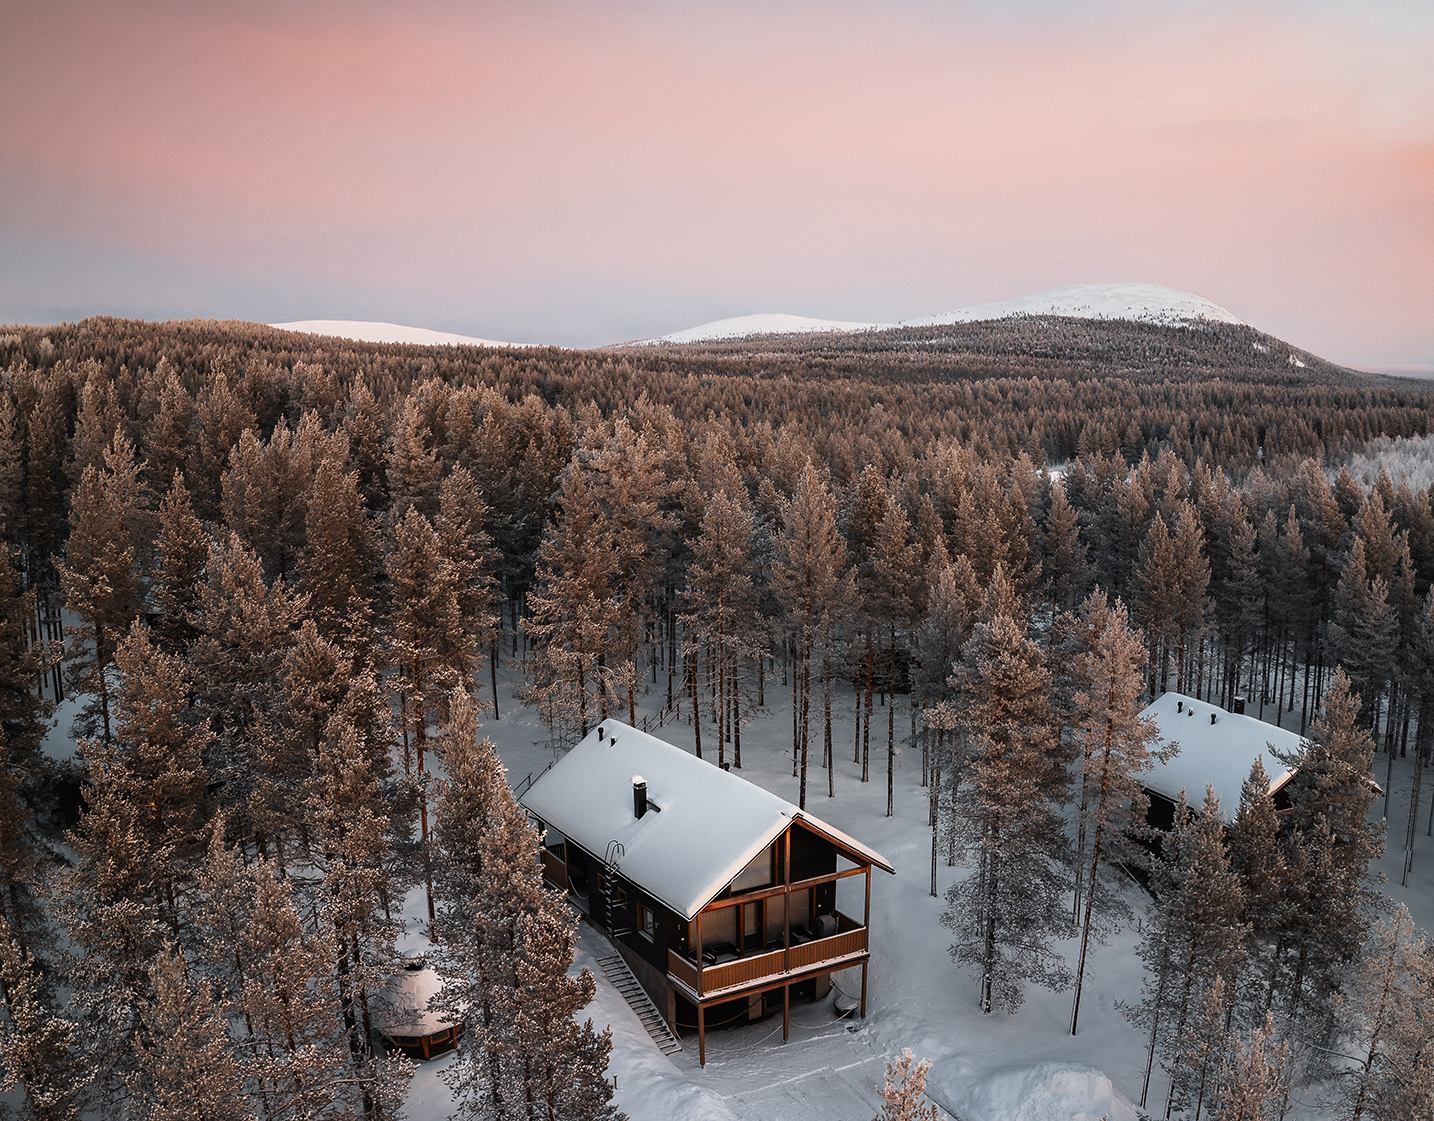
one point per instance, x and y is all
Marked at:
(1217, 749)
(405, 1019)
(721, 897)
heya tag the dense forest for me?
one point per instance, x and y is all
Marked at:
(274, 575)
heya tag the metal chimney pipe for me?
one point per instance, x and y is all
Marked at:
(639, 796)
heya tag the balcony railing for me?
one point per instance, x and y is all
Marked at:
(767, 965)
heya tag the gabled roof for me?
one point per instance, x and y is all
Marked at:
(702, 827)
(1219, 754)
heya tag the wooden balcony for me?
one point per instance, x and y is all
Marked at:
(764, 967)
(555, 869)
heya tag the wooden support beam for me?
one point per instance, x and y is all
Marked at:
(786, 1012)
(702, 1032)
(863, 989)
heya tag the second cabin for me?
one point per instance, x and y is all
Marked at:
(1217, 749)
(726, 901)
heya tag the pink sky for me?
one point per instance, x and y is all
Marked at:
(582, 172)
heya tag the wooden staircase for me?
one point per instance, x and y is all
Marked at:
(616, 971)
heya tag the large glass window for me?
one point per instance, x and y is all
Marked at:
(759, 873)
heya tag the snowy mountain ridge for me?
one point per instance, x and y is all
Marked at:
(1145, 303)
(363, 332)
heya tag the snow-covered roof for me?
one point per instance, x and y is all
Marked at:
(702, 827)
(1219, 754)
(403, 1004)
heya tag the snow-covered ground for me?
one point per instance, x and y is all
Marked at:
(1024, 1067)
(384, 333)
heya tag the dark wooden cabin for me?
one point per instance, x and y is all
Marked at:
(720, 896)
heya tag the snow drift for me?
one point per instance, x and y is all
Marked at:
(1050, 1091)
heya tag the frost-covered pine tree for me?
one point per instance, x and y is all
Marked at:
(37, 1052)
(807, 578)
(560, 1064)
(187, 1070)
(572, 615)
(340, 559)
(1255, 1078)
(1195, 934)
(904, 1091)
(506, 950)
(182, 549)
(1116, 746)
(351, 825)
(1008, 910)
(102, 592)
(1257, 854)
(1390, 1003)
(721, 601)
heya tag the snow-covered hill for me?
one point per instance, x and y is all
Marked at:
(384, 333)
(1148, 303)
(769, 324)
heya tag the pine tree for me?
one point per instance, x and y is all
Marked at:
(896, 565)
(426, 623)
(1006, 912)
(102, 591)
(159, 768)
(37, 1047)
(508, 945)
(806, 576)
(572, 613)
(187, 1071)
(1257, 855)
(562, 1065)
(1066, 570)
(340, 558)
(183, 551)
(245, 629)
(1116, 745)
(904, 1091)
(628, 489)
(721, 600)
(1195, 935)
(1158, 579)
(1255, 1079)
(352, 839)
(1390, 990)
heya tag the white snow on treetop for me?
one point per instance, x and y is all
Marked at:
(1219, 754)
(384, 333)
(703, 824)
(1147, 303)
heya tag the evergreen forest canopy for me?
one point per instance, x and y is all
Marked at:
(277, 574)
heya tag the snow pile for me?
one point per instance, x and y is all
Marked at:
(1050, 1091)
(384, 333)
(1145, 303)
(744, 326)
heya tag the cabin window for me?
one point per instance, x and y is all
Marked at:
(646, 922)
(759, 873)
